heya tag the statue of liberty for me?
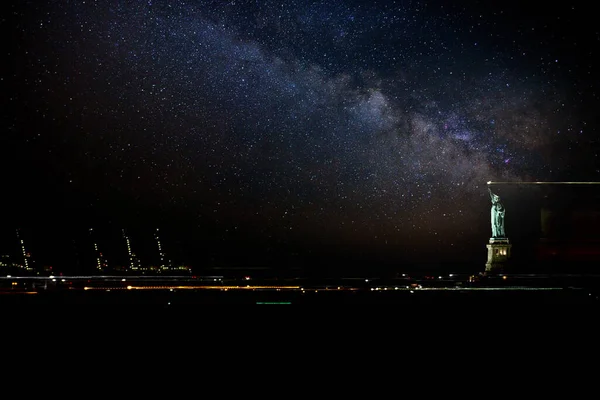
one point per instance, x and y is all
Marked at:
(498, 212)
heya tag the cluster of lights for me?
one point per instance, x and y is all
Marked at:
(134, 262)
(25, 254)
(160, 250)
(101, 264)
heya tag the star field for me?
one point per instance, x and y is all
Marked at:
(371, 124)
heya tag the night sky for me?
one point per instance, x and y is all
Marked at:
(292, 131)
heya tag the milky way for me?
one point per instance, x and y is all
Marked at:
(377, 123)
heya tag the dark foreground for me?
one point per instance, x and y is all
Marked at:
(168, 292)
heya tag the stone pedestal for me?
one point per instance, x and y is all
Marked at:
(498, 255)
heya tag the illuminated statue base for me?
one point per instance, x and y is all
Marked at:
(498, 255)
